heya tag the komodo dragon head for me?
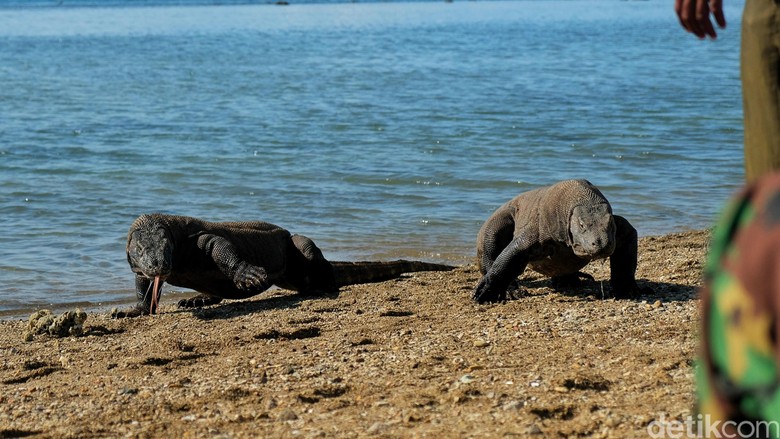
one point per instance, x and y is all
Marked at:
(150, 254)
(150, 251)
(592, 230)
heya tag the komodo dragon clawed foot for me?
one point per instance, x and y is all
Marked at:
(128, 313)
(486, 291)
(628, 290)
(199, 301)
(250, 278)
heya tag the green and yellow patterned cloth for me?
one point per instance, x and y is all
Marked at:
(737, 375)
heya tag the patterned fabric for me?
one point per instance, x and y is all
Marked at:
(737, 375)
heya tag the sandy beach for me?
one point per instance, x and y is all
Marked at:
(413, 357)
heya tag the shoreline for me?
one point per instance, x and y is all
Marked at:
(173, 294)
(409, 357)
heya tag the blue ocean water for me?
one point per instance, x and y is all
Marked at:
(380, 130)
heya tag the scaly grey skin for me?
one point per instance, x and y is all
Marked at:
(555, 230)
(237, 260)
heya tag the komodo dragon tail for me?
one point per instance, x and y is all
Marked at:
(350, 273)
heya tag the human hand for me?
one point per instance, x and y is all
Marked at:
(694, 16)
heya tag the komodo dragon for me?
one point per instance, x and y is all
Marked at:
(555, 230)
(236, 260)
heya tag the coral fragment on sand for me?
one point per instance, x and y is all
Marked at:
(66, 324)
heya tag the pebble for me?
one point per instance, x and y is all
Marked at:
(288, 415)
(513, 405)
(612, 421)
(376, 428)
(479, 343)
(465, 379)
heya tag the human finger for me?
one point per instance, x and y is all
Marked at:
(716, 8)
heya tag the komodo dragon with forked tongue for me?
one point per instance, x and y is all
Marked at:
(555, 230)
(236, 260)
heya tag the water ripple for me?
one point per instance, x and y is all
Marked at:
(380, 130)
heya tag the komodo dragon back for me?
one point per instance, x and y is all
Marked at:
(557, 203)
(350, 273)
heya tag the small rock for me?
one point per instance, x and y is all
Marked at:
(513, 405)
(288, 415)
(612, 421)
(657, 304)
(534, 429)
(465, 379)
(409, 419)
(68, 323)
(43, 322)
(479, 343)
(376, 428)
(39, 322)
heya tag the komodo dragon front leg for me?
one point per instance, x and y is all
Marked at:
(509, 264)
(623, 261)
(143, 291)
(248, 279)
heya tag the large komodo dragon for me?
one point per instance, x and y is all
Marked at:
(556, 230)
(236, 260)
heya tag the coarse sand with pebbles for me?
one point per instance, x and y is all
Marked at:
(413, 357)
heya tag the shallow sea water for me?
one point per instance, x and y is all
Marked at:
(380, 130)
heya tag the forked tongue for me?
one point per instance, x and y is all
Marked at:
(155, 295)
